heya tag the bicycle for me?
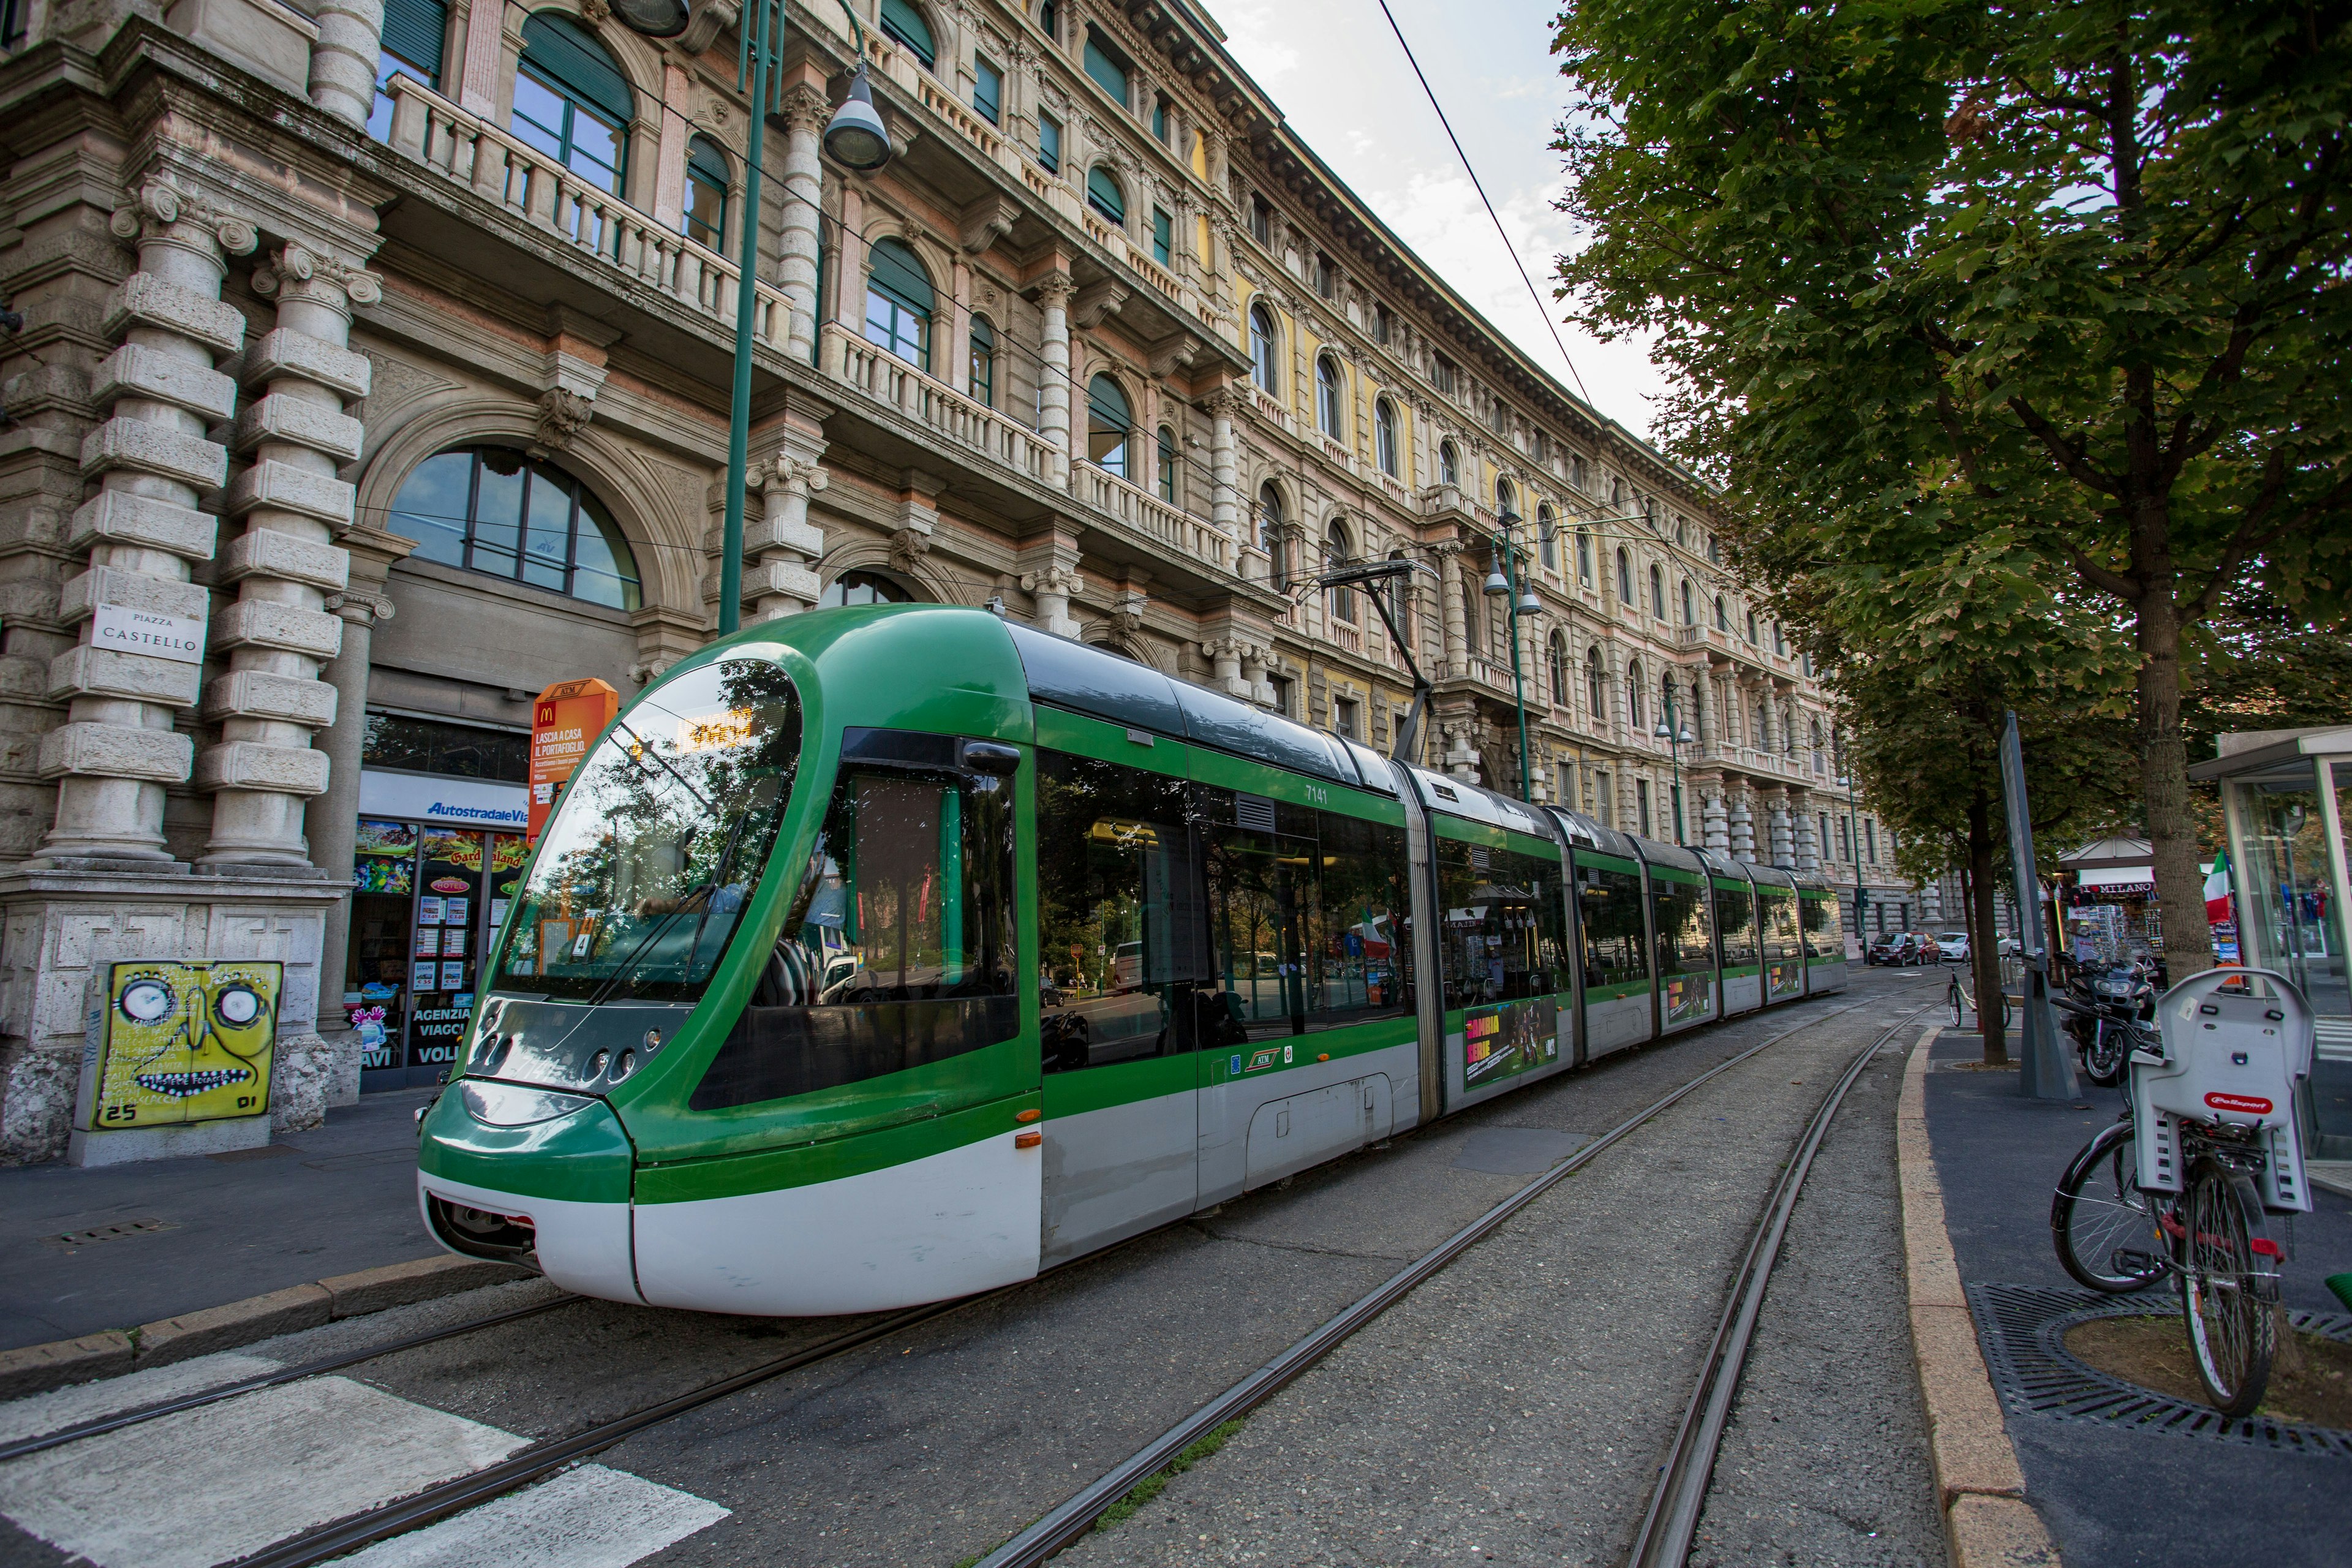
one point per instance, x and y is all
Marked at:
(2196, 1198)
(1963, 1004)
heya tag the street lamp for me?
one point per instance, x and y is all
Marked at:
(1854, 852)
(1524, 603)
(1676, 735)
(855, 137)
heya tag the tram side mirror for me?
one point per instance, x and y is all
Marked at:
(990, 758)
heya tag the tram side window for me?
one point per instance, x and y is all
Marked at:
(1361, 951)
(1503, 937)
(1117, 914)
(1777, 913)
(1735, 914)
(1818, 924)
(1262, 903)
(1684, 943)
(901, 953)
(1609, 905)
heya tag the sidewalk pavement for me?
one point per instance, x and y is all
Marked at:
(193, 1233)
(2113, 1496)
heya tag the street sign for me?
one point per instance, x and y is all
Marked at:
(564, 722)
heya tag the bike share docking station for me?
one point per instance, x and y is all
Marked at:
(2234, 1059)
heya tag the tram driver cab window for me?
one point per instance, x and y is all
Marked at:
(900, 951)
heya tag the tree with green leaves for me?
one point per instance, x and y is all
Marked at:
(2035, 305)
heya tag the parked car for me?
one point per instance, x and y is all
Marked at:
(1896, 949)
(1954, 946)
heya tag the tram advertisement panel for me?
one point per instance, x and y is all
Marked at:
(450, 877)
(180, 1042)
(1504, 1040)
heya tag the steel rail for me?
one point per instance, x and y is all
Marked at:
(1664, 1540)
(1069, 1521)
(143, 1413)
(337, 1537)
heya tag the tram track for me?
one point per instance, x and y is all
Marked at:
(1695, 1447)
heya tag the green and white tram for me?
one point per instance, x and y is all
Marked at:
(881, 955)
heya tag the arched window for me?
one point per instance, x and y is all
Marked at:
(898, 302)
(1633, 712)
(1166, 456)
(1722, 616)
(1269, 534)
(1576, 472)
(1562, 696)
(1779, 643)
(1263, 346)
(1546, 537)
(1326, 397)
(1657, 591)
(1595, 695)
(1335, 554)
(1760, 735)
(1616, 495)
(862, 588)
(1625, 579)
(492, 510)
(1449, 464)
(982, 370)
(705, 218)
(1506, 500)
(1689, 619)
(1400, 601)
(571, 102)
(1751, 627)
(1584, 555)
(902, 22)
(1109, 425)
(1384, 435)
(1104, 194)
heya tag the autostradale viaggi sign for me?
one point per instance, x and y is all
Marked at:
(158, 636)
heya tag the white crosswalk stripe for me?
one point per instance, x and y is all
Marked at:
(41, 1414)
(588, 1518)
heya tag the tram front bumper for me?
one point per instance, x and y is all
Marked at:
(551, 1194)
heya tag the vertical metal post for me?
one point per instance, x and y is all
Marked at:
(1518, 682)
(760, 45)
(2045, 1070)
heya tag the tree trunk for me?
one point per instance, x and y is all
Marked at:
(2164, 784)
(1984, 940)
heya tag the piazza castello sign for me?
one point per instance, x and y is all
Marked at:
(158, 636)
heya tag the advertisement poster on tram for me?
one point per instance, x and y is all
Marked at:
(1688, 997)
(564, 722)
(1507, 1039)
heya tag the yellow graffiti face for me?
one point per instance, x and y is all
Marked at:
(186, 1042)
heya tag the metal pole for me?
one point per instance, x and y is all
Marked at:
(739, 424)
(2047, 1069)
(1519, 684)
(1675, 749)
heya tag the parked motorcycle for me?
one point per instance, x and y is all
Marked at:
(2105, 1010)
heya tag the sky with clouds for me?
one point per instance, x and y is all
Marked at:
(1336, 73)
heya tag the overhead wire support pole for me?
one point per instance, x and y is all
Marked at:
(755, 57)
(1407, 741)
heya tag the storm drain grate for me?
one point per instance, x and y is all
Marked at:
(2023, 1331)
(118, 1231)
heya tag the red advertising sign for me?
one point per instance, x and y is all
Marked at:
(564, 722)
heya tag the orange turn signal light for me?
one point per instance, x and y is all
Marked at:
(1029, 1115)
(1027, 1139)
(1324, 1057)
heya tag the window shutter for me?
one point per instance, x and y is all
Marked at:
(413, 31)
(576, 64)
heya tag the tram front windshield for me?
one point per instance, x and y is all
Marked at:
(658, 841)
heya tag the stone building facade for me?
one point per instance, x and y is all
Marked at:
(390, 341)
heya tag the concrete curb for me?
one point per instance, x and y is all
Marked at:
(36, 1369)
(1980, 1486)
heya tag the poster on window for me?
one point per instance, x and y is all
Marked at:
(1688, 997)
(452, 866)
(1507, 1039)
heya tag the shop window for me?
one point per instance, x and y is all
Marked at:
(1166, 459)
(1110, 423)
(1049, 143)
(571, 102)
(1105, 194)
(1503, 934)
(987, 90)
(414, 32)
(905, 24)
(982, 372)
(413, 745)
(1384, 435)
(1163, 238)
(901, 953)
(1118, 915)
(1263, 369)
(898, 303)
(862, 588)
(1106, 65)
(705, 220)
(492, 510)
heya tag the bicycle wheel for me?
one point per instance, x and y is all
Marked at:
(1959, 1013)
(2103, 1224)
(2226, 1287)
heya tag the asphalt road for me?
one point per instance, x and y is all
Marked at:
(1513, 1409)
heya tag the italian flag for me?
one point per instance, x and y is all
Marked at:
(2217, 887)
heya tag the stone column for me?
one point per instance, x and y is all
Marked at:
(1052, 589)
(1255, 658)
(783, 546)
(1715, 822)
(331, 822)
(1224, 494)
(804, 114)
(1784, 841)
(1054, 390)
(1460, 757)
(117, 750)
(1809, 848)
(1449, 607)
(1224, 658)
(1743, 827)
(279, 633)
(343, 60)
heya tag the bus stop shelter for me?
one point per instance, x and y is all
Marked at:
(2284, 796)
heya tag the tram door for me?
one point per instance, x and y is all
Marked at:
(1119, 979)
